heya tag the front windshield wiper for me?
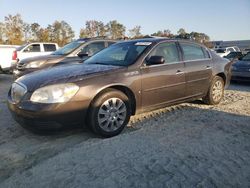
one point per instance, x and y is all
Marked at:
(98, 63)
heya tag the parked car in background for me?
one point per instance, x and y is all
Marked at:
(75, 51)
(6, 52)
(32, 50)
(225, 51)
(122, 80)
(234, 55)
(246, 50)
(241, 69)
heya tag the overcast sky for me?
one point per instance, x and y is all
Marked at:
(221, 20)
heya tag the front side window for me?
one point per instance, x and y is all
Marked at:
(120, 54)
(93, 48)
(192, 52)
(168, 51)
(33, 48)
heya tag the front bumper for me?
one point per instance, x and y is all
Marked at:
(48, 116)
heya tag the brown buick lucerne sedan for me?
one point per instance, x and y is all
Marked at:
(122, 80)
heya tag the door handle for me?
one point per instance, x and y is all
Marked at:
(208, 67)
(179, 72)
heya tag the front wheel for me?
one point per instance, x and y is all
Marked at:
(109, 113)
(215, 92)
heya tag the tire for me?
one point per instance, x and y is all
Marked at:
(109, 113)
(215, 92)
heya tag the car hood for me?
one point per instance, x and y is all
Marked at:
(41, 58)
(242, 64)
(63, 74)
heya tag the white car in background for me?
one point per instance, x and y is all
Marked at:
(6, 56)
(225, 51)
(31, 50)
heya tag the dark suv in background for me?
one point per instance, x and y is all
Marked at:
(76, 51)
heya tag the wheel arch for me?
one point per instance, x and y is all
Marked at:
(124, 89)
(223, 76)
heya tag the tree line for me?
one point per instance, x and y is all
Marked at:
(13, 30)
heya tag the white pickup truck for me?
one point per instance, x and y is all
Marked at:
(225, 51)
(25, 51)
(6, 52)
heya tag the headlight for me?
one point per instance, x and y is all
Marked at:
(18, 90)
(55, 93)
(34, 64)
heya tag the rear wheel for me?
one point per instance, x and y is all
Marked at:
(215, 92)
(109, 113)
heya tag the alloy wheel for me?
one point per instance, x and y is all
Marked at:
(112, 114)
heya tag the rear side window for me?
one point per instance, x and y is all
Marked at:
(33, 48)
(192, 52)
(49, 47)
(93, 48)
(168, 51)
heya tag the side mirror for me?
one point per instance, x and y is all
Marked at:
(83, 54)
(155, 60)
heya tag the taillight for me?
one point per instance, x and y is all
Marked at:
(14, 55)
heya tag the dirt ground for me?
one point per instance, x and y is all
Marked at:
(187, 145)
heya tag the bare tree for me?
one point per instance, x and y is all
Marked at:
(1, 33)
(60, 32)
(35, 28)
(14, 29)
(181, 31)
(135, 32)
(27, 32)
(93, 28)
(115, 30)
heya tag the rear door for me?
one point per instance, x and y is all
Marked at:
(198, 68)
(164, 83)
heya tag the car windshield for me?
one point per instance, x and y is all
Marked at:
(233, 55)
(121, 54)
(68, 48)
(246, 57)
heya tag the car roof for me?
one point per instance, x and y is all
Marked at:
(157, 40)
(95, 38)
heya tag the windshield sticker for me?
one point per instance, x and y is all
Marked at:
(143, 43)
(80, 41)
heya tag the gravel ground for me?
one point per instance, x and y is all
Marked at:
(187, 145)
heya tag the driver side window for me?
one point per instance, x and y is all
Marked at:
(168, 51)
(33, 48)
(93, 48)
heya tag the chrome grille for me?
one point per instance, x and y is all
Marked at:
(18, 90)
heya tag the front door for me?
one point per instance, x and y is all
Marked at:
(163, 83)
